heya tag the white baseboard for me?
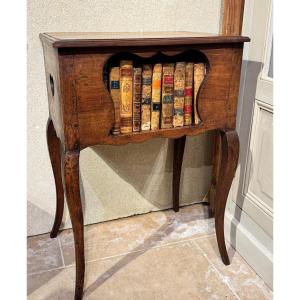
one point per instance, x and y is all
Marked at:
(254, 251)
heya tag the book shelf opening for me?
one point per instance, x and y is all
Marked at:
(157, 92)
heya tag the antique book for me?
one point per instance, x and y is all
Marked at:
(188, 94)
(146, 97)
(199, 73)
(156, 96)
(126, 71)
(137, 96)
(179, 84)
(167, 96)
(114, 87)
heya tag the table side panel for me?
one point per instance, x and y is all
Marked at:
(219, 95)
(53, 88)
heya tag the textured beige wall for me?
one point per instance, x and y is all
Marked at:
(118, 181)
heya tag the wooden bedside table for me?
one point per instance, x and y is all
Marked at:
(82, 112)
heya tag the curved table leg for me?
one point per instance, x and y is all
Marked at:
(54, 148)
(216, 168)
(229, 160)
(71, 174)
(179, 145)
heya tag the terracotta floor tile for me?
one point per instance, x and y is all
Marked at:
(139, 232)
(178, 271)
(239, 275)
(43, 253)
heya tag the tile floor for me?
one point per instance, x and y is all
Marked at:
(160, 255)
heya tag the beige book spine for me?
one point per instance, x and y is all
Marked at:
(179, 83)
(137, 97)
(199, 73)
(146, 97)
(126, 96)
(167, 96)
(156, 96)
(114, 87)
(188, 94)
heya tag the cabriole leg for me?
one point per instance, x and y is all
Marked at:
(228, 164)
(71, 174)
(54, 148)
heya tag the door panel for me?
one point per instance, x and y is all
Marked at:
(250, 210)
(259, 180)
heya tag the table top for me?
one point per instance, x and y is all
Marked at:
(112, 39)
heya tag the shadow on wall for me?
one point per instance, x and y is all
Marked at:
(248, 86)
(148, 168)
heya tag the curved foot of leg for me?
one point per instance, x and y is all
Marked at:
(179, 145)
(229, 160)
(54, 148)
(71, 174)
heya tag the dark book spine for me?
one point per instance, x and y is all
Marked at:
(137, 89)
(105, 76)
(188, 94)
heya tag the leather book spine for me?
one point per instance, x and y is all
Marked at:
(188, 94)
(199, 73)
(137, 97)
(156, 96)
(114, 87)
(146, 97)
(167, 96)
(126, 71)
(179, 84)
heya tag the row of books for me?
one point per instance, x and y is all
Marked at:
(155, 97)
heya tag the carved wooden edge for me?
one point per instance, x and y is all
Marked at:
(198, 97)
(232, 22)
(146, 41)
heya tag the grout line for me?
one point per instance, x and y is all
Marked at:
(146, 249)
(217, 271)
(61, 252)
(125, 253)
(45, 271)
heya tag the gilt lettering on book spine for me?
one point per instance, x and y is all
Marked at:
(156, 96)
(146, 96)
(167, 96)
(114, 87)
(179, 83)
(126, 71)
(137, 89)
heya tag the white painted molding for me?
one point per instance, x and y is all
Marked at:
(255, 251)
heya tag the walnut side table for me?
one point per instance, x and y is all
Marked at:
(81, 112)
